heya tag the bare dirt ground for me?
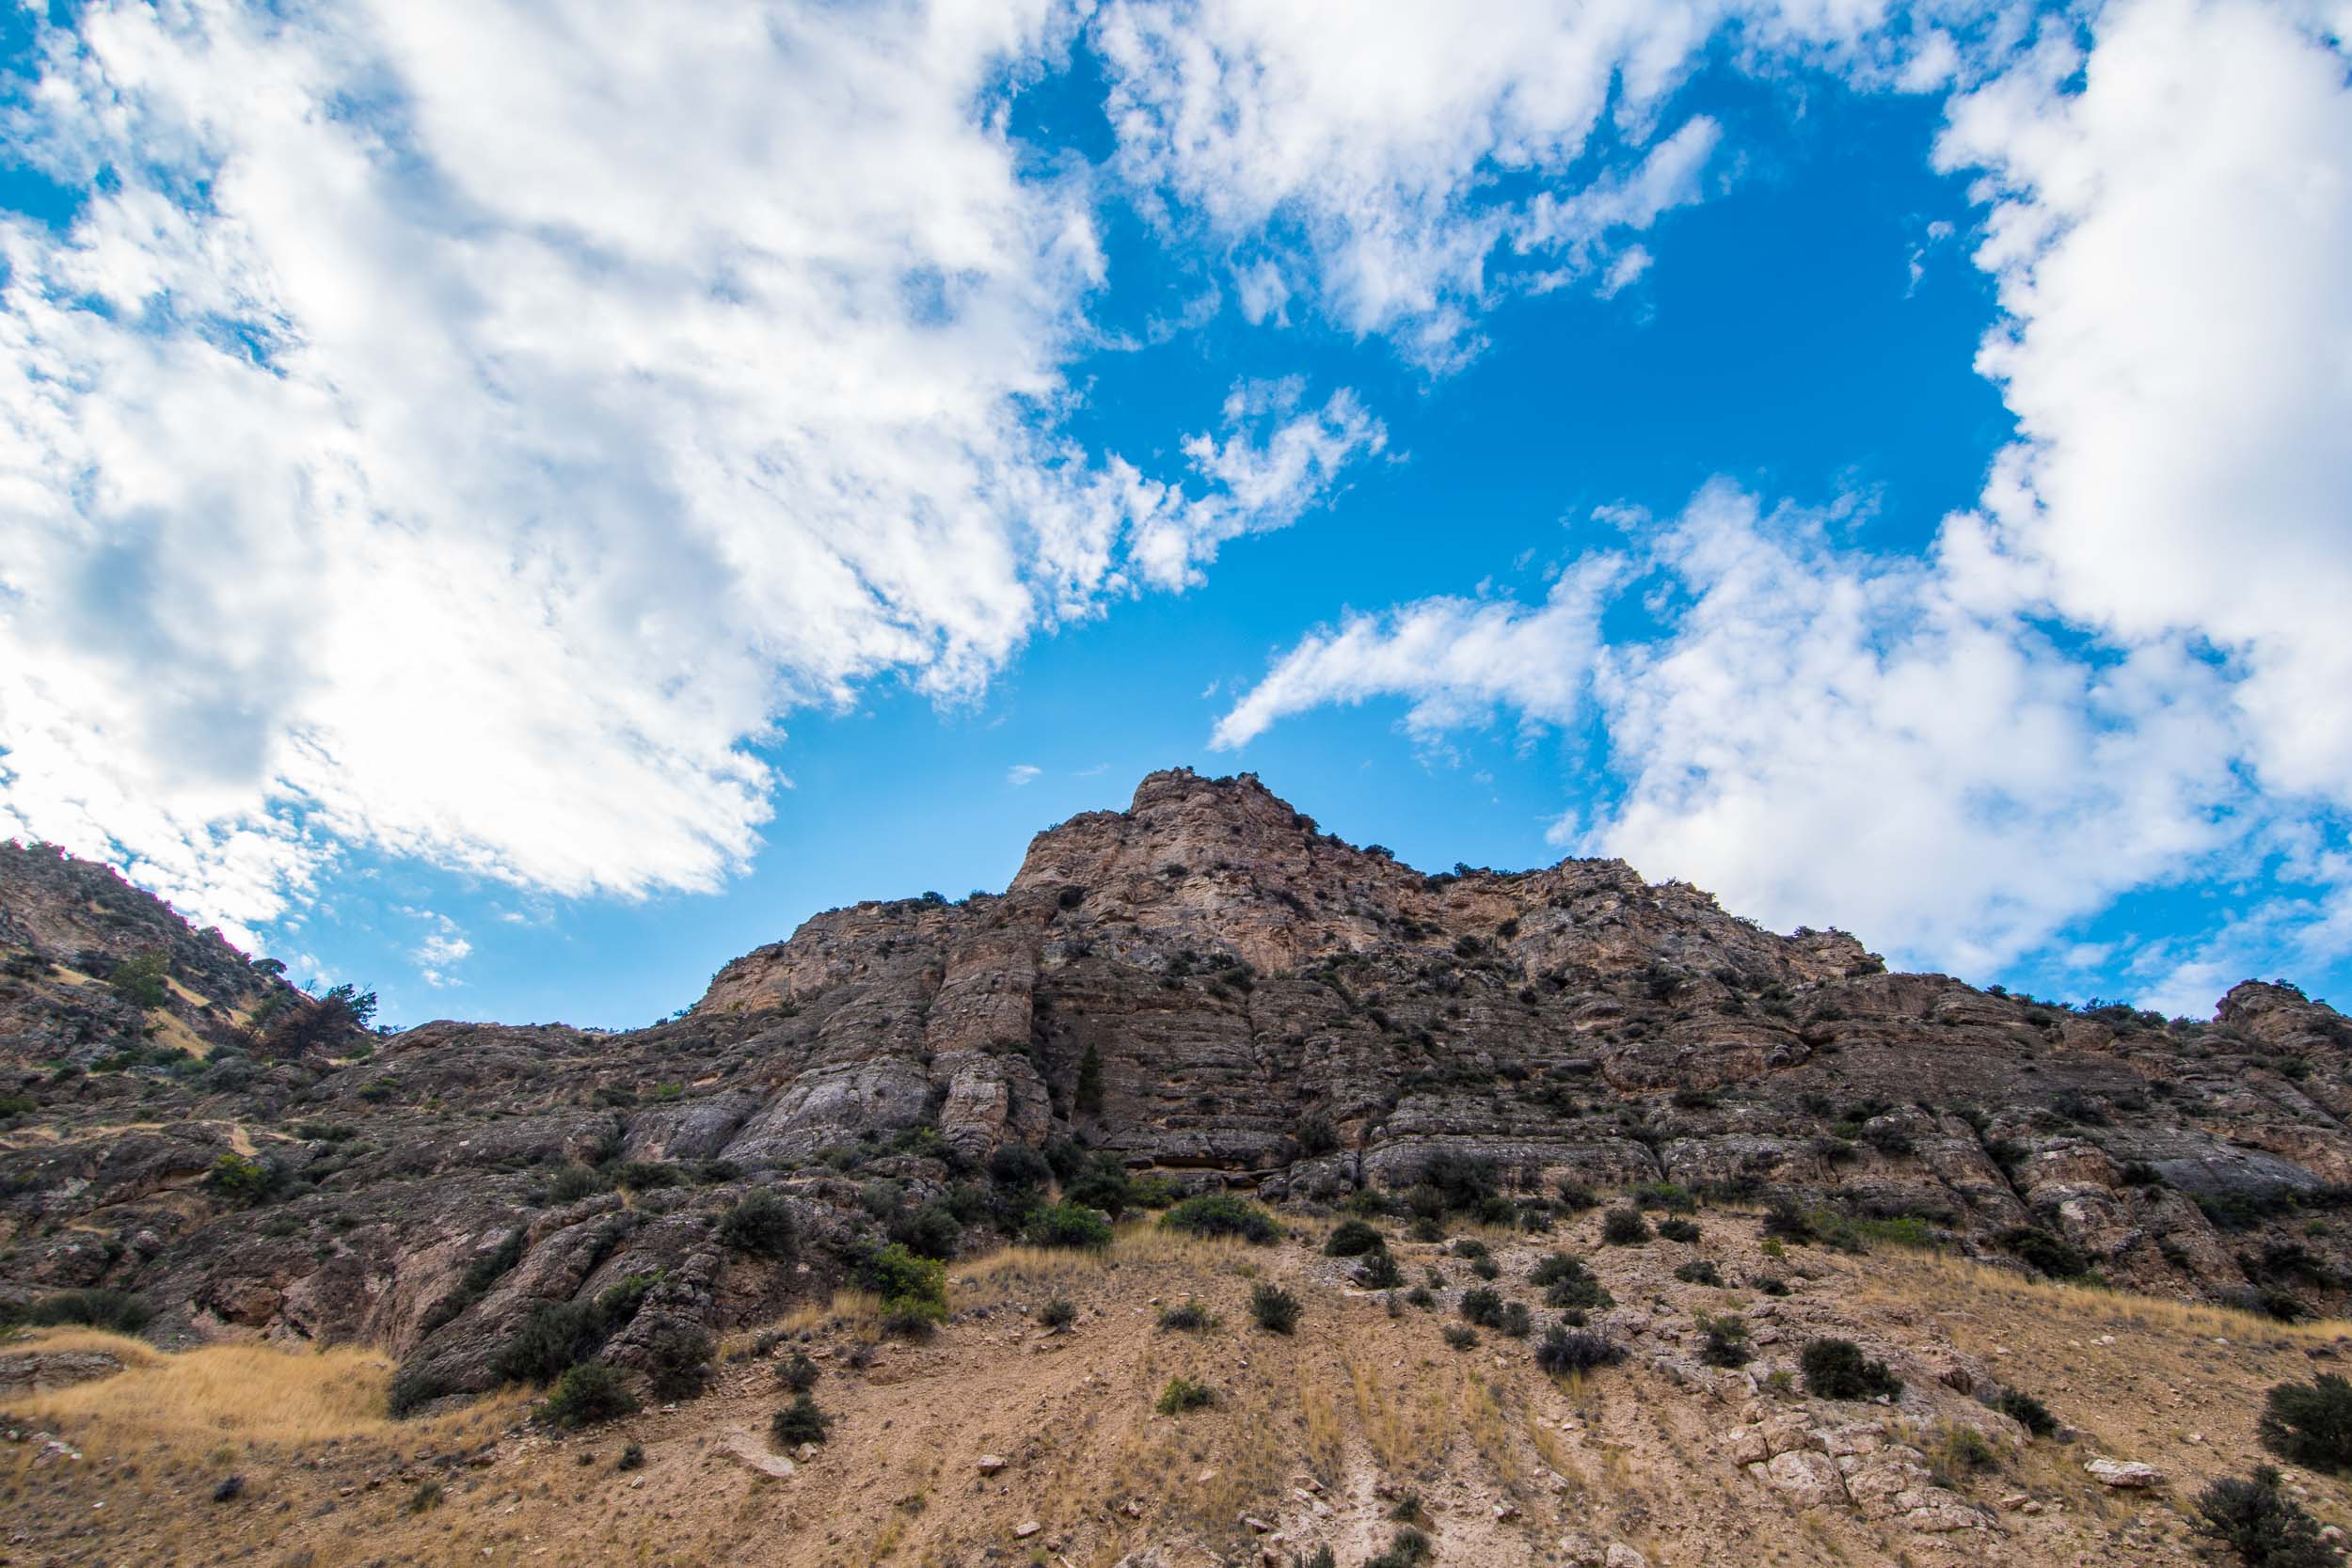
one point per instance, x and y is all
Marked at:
(1321, 1438)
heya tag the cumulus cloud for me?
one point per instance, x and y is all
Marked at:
(2126, 666)
(1347, 142)
(1456, 659)
(467, 428)
(1021, 773)
(1820, 735)
(2170, 235)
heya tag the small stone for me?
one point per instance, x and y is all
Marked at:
(990, 1464)
(1025, 1528)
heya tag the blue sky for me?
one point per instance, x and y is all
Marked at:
(465, 554)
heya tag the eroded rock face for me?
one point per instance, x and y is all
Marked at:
(1204, 986)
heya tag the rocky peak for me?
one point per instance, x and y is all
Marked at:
(1204, 988)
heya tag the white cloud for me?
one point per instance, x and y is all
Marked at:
(466, 428)
(1021, 773)
(1357, 146)
(1822, 737)
(1455, 659)
(2171, 235)
(2128, 667)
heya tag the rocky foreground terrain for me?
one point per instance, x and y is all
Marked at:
(1202, 994)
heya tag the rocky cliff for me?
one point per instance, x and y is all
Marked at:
(1203, 989)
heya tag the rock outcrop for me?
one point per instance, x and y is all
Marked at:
(1205, 988)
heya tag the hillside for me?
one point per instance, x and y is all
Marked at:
(1202, 994)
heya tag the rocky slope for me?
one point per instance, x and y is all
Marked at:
(1203, 988)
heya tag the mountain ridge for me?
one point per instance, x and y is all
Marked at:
(1204, 990)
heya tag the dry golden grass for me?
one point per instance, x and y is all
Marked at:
(194, 1400)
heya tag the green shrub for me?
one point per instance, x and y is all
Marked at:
(15, 1105)
(140, 980)
(1837, 1369)
(1407, 1548)
(1516, 1321)
(1019, 1165)
(576, 1181)
(1578, 1288)
(799, 1422)
(1679, 1230)
(2039, 1249)
(1221, 1215)
(1624, 1228)
(1151, 1192)
(1353, 1238)
(2311, 1423)
(1420, 1297)
(1699, 1271)
(1482, 1306)
(1067, 1225)
(799, 1373)
(1101, 1184)
(903, 1280)
(1379, 1272)
(588, 1394)
(1552, 1267)
(2025, 1411)
(550, 1341)
(1188, 1316)
(640, 1176)
(679, 1363)
(910, 1320)
(1575, 1197)
(1273, 1308)
(241, 1180)
(1670, 1196)
(1057, 1314)
(95, 1308)
(1460, 1335)
(1724, 1341)
(1183, 1394)
(2257, 1520)
(1564, 1351)
(760, 1224)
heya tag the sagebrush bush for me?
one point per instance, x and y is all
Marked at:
(1460, 1335)
(1679, 1230)
(94, 1308)
(2025, 1411)
(1724, 1341)
(1566, 1351)
(2311, 1422)
(1057, 1314)
(799, 1422)
(2039, 1249)
(679, 1363)
(1407, 1548)
(1188, 1316)
(1273, 1308)
(1482, 1306)
(1221, 1215)
(1551, 1268)
(587, 1394)
(1378, 1271)
(1183, 1394)
(760, 1224)
(1837, 1369)
(799, 1373)
(1624, 1228)
(1353, 1238)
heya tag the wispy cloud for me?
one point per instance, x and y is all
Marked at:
(1021, 773)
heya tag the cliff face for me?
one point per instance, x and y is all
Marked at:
(1204, 987)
